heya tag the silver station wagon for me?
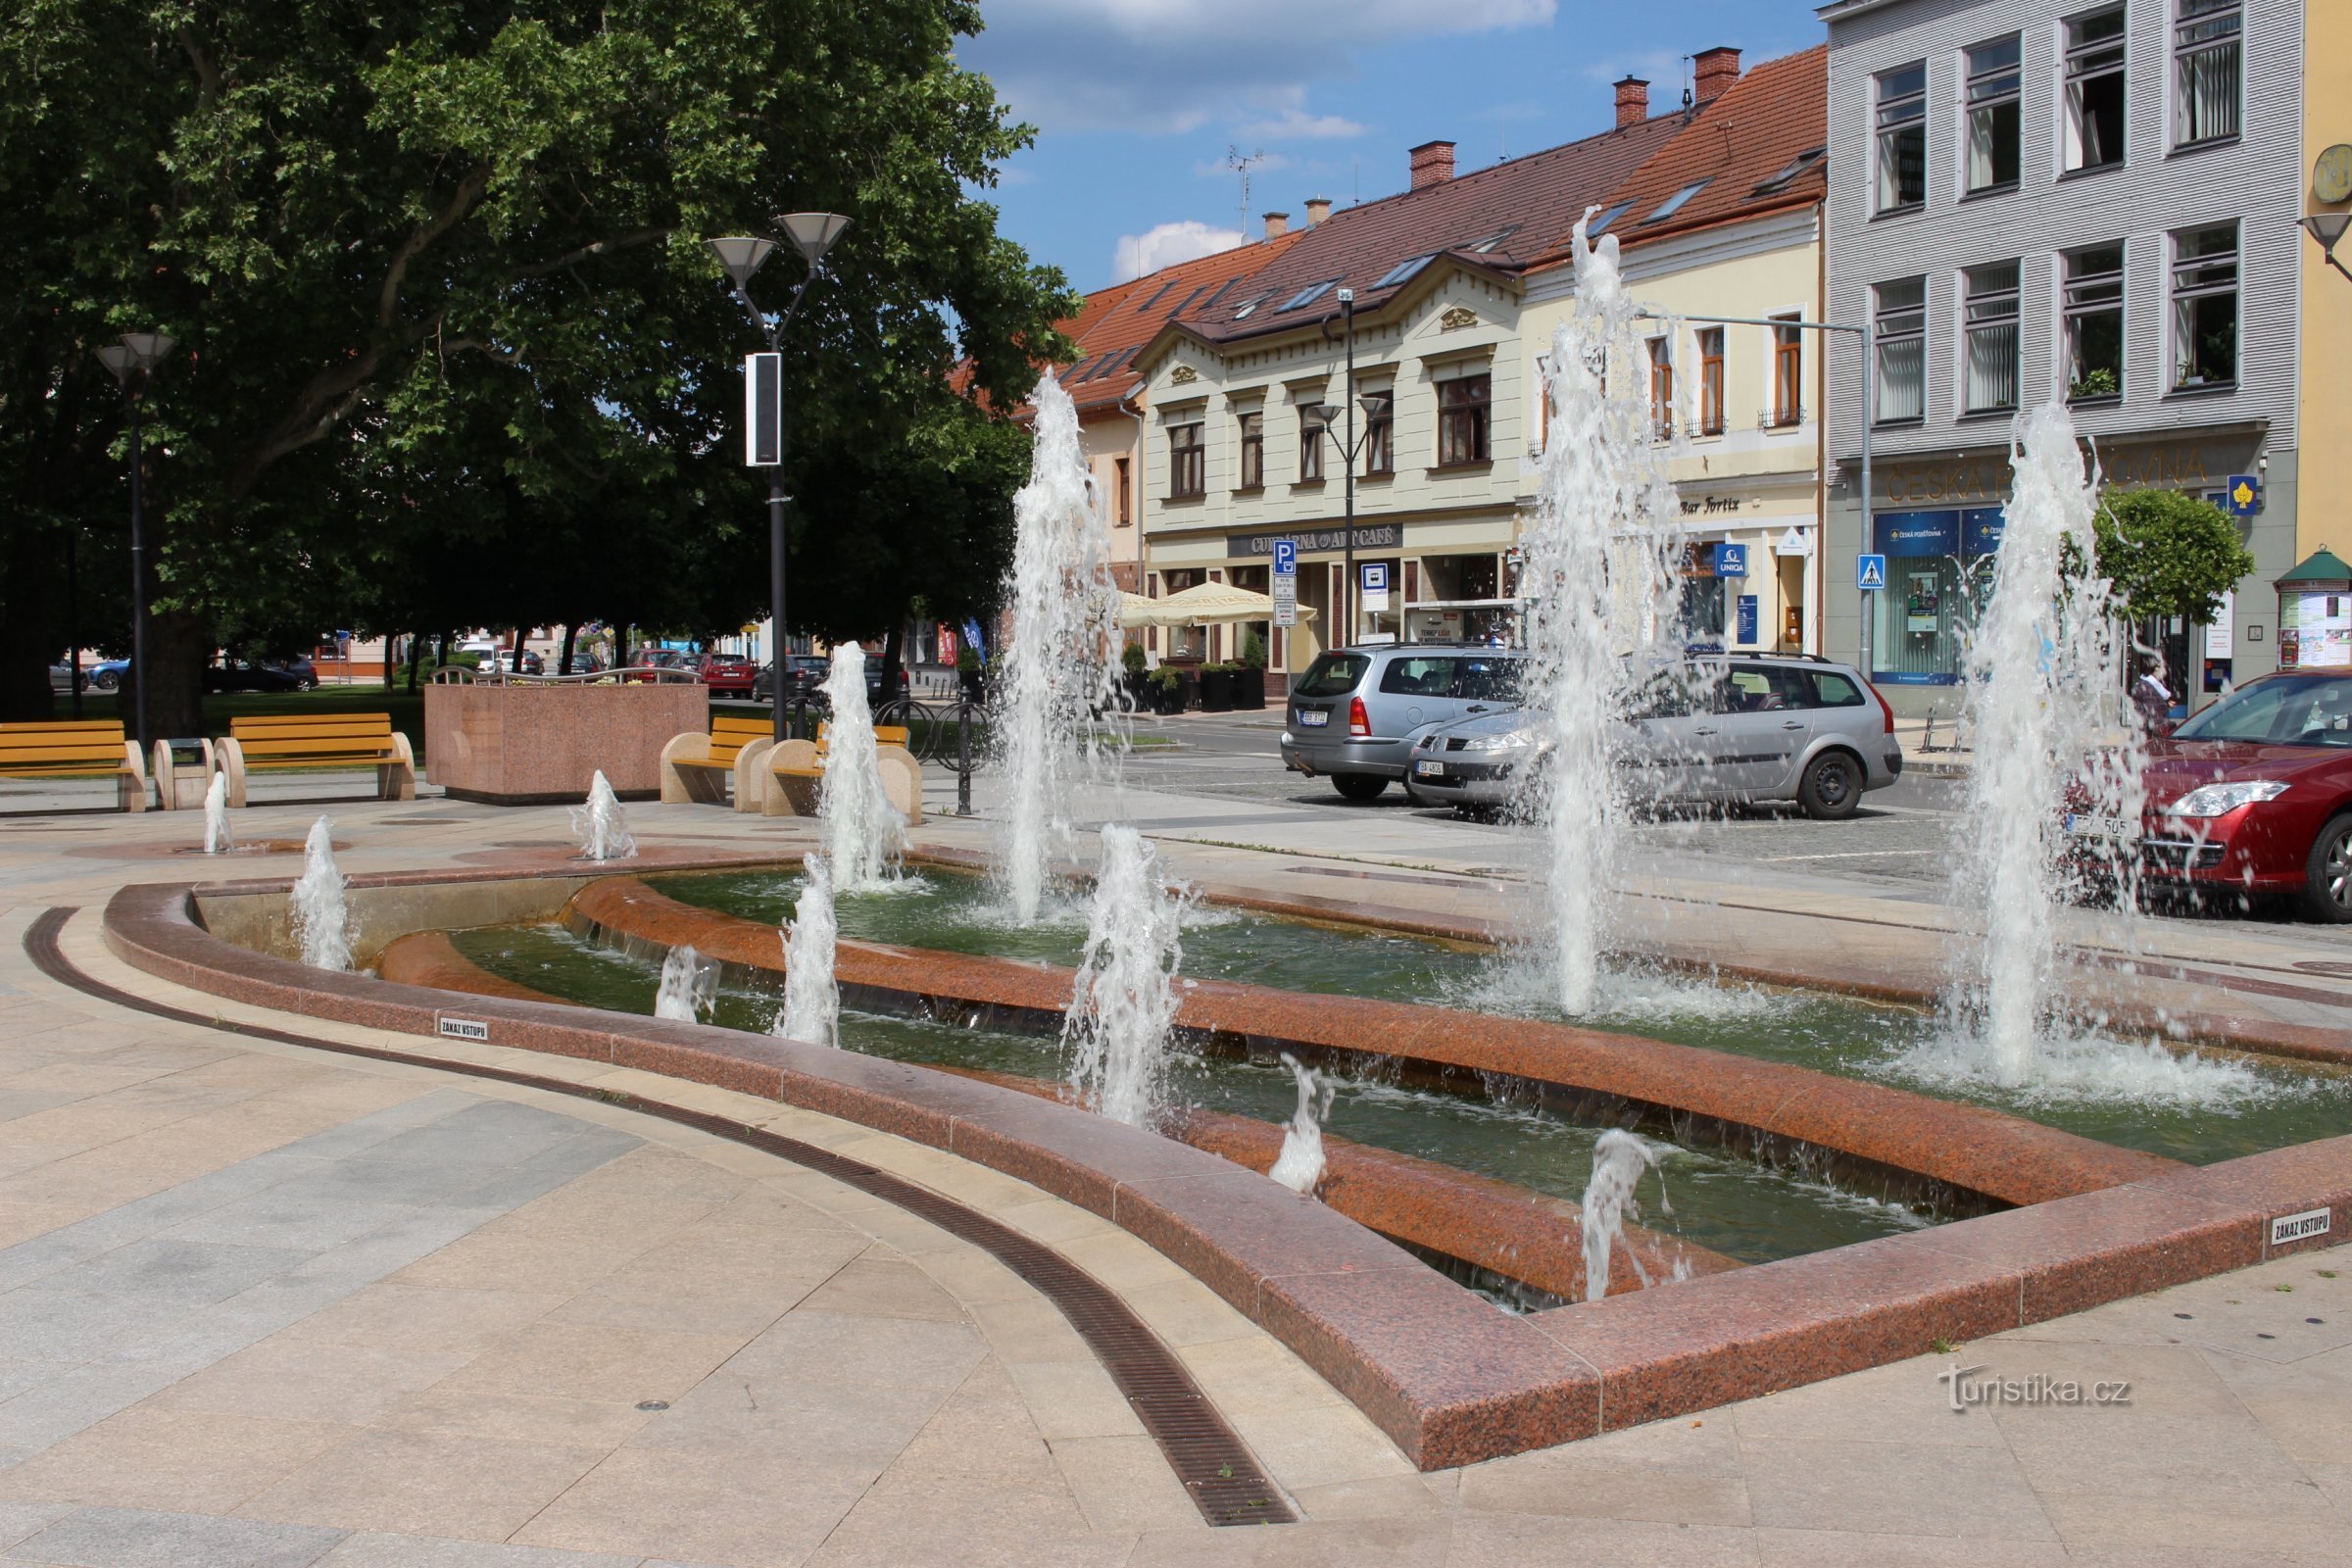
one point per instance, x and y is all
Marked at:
(1709, 728)
(1357, 713)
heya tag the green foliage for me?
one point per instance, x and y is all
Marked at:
(968, 663)
(2169, 554)
(2097, 383)
(1254, 649)
(1133, 659)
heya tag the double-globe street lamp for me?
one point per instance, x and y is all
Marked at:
(813, 234)
(1323, 417)
(133, 362)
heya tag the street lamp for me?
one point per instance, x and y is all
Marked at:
(2328, 228)
(131, 361)
(1323, 415)
(813, 234)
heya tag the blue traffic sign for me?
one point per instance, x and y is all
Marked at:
(1870, 572)
(2241, 497)
(1731, 561)
(1285, 557)
(1376, 577)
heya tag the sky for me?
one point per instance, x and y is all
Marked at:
(1140, 103)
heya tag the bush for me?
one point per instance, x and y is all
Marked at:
(1165, 679)
(1253, 650)
(1132, 656)
(2169, 554)
(968, 663)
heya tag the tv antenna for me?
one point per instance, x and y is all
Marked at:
(1241, 165)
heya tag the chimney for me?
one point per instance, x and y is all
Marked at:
(1633, 102)
(1432, 163)
(1715, 69)
(1277, 224)
(1318, 207)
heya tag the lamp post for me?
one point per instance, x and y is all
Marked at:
(2328, 228)
(813, 234)
(1323, 415)
(131, 363)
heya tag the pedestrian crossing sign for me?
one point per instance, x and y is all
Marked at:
(1870, 572)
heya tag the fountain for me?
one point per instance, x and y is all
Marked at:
(1599, 574)
(1619, 1160)
(599, 825)
(217, 840)
(321, 920)
(811, 999)
(2053, 737)
(864, 834)
(689, 987)
(1059, 678)
(1299, 1165)
(1116, 1029)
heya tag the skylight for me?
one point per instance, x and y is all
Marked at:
(1309, 294)
(1154, 299)
(1253, 304)
(1601, 220)
(1673, 203)
(1488, 242)
(1209, 302)
(1404, 272)
(1188, 299)
(1796, 166)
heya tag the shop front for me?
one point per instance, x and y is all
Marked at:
(1747, 576)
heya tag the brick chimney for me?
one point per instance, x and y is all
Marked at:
(1277, 224)
(1633, 102)
(1432, 163)
(1318, 207)
(1715, 70)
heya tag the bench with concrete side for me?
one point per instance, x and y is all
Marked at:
(699, 768)
(795, 770)
(87, 748)
(317, 741)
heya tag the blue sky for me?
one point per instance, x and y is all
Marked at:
(1138, 102)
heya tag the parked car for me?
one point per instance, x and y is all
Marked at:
(726, 674)
(232, 673)
(1355, 715)
(2254, 795)
(106, 675)
(60, 678)
(1708, 728)
(583, 663)
(650, 658)
(873, 685)
(804, 675)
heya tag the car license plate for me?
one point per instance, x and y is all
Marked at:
(2084, 825)
(1429, 769)
(1308, 719)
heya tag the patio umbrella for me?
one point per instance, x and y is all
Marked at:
(1213, 603)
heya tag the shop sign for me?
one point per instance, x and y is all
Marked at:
(1795, 542)
(1918, 533)
(1731, 561)
(1747, 620)
(2241, 497)
(1712, 506)
(1981, 529)
(1316, 541)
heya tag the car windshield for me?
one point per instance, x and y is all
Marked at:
(2286, 710)
(1333, 675)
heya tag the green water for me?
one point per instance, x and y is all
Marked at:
(2131, 1093)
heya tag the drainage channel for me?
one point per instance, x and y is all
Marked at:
(1216, 1468)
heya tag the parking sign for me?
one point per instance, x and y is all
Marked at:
(1285, 557)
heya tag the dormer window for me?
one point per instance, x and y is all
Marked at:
(1675, 203)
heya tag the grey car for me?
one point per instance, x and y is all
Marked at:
(1357, 713)
(1707, 729)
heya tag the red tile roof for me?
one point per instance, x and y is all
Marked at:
(1120, 320)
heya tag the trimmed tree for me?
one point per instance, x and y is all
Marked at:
(2169, 554)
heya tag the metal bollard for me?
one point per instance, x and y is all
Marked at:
(963, 757)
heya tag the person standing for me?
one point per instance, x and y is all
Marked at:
(2151, 696)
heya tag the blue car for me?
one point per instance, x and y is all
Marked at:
(106, 675)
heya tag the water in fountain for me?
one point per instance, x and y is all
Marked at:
(1116, 1031)
(599, 825)
(1619, 1160)
(864, 834)
(2052, 733)
(1299, 1165)
(217, 840)
(689, 987)
(1057, 690)
(322, 916)
(1600, 572)
(811, 997)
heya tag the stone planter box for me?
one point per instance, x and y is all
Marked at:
(1216, 691)
(524, 745)
(1249, 688)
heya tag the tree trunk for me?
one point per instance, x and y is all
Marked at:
(179, 644)
(415, 656)
(571, 631)
(893, 646)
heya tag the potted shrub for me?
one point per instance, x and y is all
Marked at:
(969, 671)
(1167, 690)
(1138, 678)
(1250, 676)
(1216, 688)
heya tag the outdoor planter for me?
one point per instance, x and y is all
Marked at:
(1250, 688)
(1216, 691)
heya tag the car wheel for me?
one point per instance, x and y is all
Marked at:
(1831, 787)
(106, 680)
(2327, 874)
(1359, 786)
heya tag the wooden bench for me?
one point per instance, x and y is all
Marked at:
(795, 768)
(698, 767)
(318, 741)
(90, 748)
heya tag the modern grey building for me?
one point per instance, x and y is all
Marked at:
(2093, 200)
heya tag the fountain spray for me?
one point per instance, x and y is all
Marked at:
(689, 987)
(599, 825)
(217, 840)
(1619, 1160)
(1058, 683)
(321, 918)
(1124, 1005)
(865, 835)
(811, 997)
(1299, 1165)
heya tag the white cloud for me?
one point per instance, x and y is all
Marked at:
(1166, 245)
(1297, 124)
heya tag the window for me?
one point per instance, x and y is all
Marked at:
(1992, 114)
(1903, 322)
(1662, 389)
(2094, 323)
(1992, 326)
(1673, 203)
(1309, 294)
(2094, 90)
(1788, 375)
(1602, 219)
(1789, 172)
(1188, 299)
(1125, 503)
(1208, 304)
(1420, 676)
(1331, 675)
(2205, 70)
(1710, 381)
(2205, 308)
(1834, 690)
(1462, 410)
(1253, 449)
(1486, 242)
(1249, 306)
(1311, 449)
(1157, 292)
(1380, 432)
(1403, 272)
(1903, 126)
(1188, 462)
(1541, 392)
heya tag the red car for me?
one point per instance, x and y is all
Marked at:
(2254, 794)
(727, 674)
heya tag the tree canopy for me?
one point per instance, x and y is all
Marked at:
(452, 348)
(2169, 554)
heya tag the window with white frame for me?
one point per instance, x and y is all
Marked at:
(1311, 449)
(1188, 462)
(2206, 81)
(2094, 322)
(1788, 373)
(1902, 134)
(1662, 389)
(1253, 449)
(2093, 75)
(1989, 379)
(1901, 319)
(1380, 430)
(1993, 86)
(2205, 308)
